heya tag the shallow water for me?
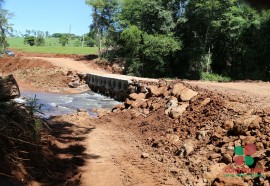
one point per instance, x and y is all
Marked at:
(53, 104)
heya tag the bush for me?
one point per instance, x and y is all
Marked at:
(157, 54)
(63, 40)
(147, 55)
(130, 40)
(40, 41)
(30, 40)
(214, 77)
(90, 42)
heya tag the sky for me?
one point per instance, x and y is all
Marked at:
(54, 16)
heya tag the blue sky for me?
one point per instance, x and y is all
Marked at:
(54, 16)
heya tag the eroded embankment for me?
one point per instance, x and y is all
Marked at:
(193, 133)
(34, 152)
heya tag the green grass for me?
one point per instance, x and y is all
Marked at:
(214, 77)
(58, 50)
(52, 46)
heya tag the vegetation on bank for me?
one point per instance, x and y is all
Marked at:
(185, 39)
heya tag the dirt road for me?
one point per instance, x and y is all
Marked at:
(113, 153)
(255, 90)
(118, 160)
(253, 93)
(79, 66)
(71, 64)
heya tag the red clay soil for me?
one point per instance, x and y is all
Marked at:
(138, 144)
(197, 148)
(38, 75)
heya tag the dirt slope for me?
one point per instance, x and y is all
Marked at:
(85, 67)
(69, 63)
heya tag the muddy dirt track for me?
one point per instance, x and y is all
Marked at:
(137, 145)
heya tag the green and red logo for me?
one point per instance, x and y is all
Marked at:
(243, 155)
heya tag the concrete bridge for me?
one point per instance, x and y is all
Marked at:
(115, 86)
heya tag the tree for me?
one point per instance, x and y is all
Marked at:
(47, 34)
(30, 40)
(103, 18)
(5, 27)
(89, 41)
(184, 38)
(63, 40)
(40, 41)
(57, 35)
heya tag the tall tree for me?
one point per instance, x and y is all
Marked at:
(103, 17)
(5, 27)
(225, 37)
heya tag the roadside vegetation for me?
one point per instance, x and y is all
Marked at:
(199, 39)
(184, 39)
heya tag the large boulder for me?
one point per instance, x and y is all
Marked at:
(228, 181)
(177, 112)
(135, 96)
(177, 88)
(171, 104)
(187, 148)
(241, 125)
(187, 94)
(183, 93)
(9, 88)
(74, 84)
(214, 171)
(158, 91)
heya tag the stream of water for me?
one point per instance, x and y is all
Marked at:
(53, 104)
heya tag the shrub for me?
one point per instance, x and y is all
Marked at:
(214, 77)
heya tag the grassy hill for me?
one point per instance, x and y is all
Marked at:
(52, 46)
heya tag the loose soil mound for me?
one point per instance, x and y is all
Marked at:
(40, 75)
(195, 132)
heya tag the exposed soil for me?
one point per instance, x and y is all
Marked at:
(147, 140)
(251, 92)
(39, 75)
(197, 147)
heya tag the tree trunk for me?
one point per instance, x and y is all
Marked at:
(9, 88)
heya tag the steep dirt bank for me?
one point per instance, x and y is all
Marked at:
(34, 152)
(40, 75)
(90, 61)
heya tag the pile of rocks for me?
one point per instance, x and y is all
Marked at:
(197, 131)
(74, 79)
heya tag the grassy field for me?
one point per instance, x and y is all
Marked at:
(52, 46)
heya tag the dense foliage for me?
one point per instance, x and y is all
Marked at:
(185, 39)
